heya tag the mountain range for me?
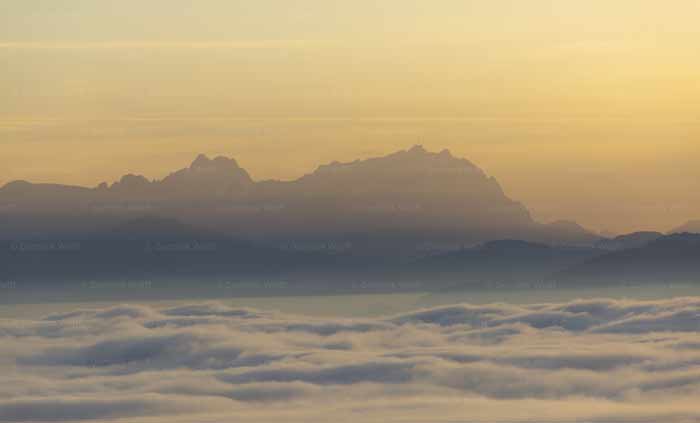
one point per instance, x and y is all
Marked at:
(672, 258)
(388, 203)
(185, 260)
(412, 216)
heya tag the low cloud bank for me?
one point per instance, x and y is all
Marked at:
(594, 360)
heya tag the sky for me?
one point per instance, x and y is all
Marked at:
(583, 110)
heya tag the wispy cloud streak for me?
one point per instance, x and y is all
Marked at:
(241, 45)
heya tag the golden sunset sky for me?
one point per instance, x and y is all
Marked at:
(584, 110)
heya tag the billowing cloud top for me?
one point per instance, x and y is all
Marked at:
(593, 360)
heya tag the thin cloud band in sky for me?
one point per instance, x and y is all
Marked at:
(265, 44)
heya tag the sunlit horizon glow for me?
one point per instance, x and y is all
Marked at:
(584, 111)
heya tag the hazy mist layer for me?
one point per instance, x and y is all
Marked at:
(590, 360)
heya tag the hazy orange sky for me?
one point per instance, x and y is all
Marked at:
(583, 110)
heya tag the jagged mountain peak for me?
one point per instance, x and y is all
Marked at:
(130, 183)
(418, 149)
(203, 162)
(415, 160)
(209, 173)
(132, 179)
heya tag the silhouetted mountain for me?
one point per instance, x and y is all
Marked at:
(26, 194)
(205, 179)
(382, 205)
(691, 227)
(672, 258)
(633, 240)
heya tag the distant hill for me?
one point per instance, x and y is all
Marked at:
(633, 240)
(692, 226)
(183, 255)
(672, 258)
(505, 263)
(383, 205)
(154, 248)
(191, 260)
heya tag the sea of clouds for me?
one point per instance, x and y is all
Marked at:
(582, 361)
